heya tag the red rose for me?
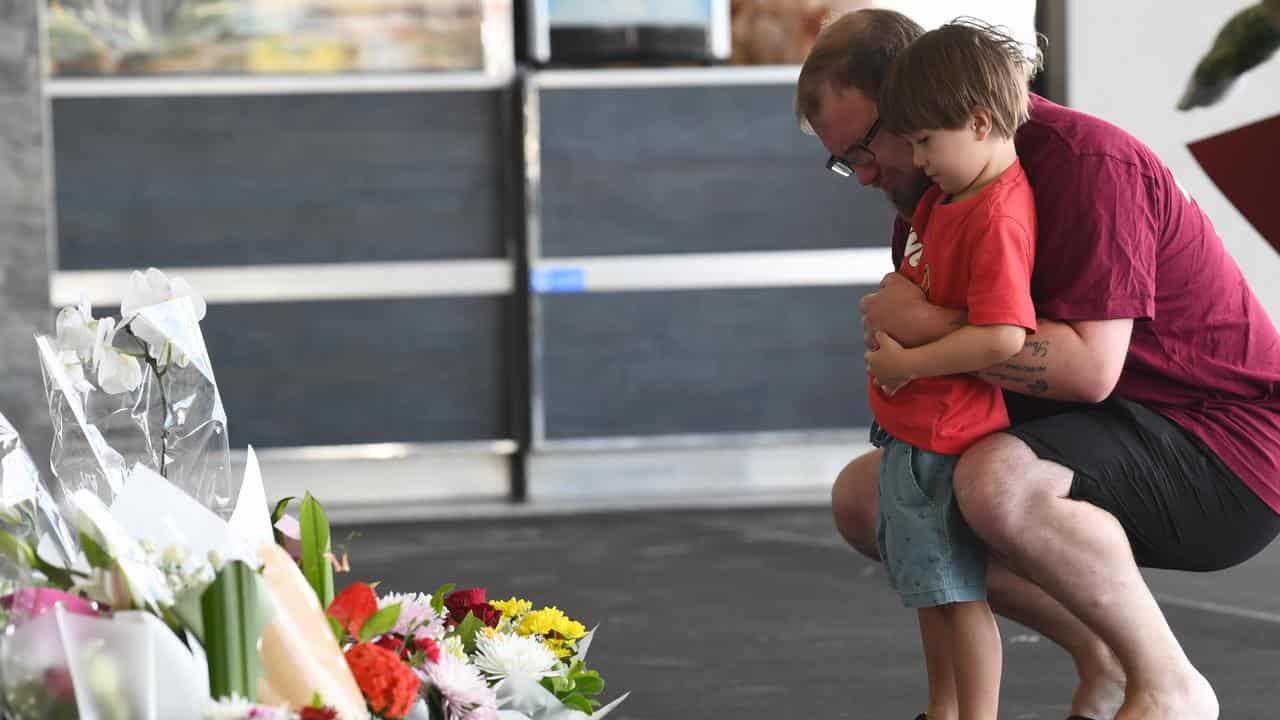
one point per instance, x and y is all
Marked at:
(459, 602)
(353, 606)
(428, 646)
(470, 600)
(320, 713)
(487, 614)
(389, 686)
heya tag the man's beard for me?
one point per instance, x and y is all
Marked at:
(907, 195)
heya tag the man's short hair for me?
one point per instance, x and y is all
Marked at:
(941, 78)
(853, 51)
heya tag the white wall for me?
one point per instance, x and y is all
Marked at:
(1128, 62)
(1017, 15)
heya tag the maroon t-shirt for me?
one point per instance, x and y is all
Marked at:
(1119, 238)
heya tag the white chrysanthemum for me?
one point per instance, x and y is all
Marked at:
(415, 612)
(237, 708)
(462, 687)
(452, 645)
(503, 655)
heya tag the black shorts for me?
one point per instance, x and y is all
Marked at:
(1182, 508)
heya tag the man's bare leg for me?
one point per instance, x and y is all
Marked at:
(854, 502)
(1080, 556)
(1101, 679)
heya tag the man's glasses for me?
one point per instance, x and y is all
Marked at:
(859, 154)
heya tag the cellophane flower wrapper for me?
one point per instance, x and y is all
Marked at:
(27, 509)
(81, 458)
(196, 454)
(129, 666)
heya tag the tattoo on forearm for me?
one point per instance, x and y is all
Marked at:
(1037, 387)
(1039, 348)
(999, 376)
(1026, 368)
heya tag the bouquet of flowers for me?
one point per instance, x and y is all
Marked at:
(144, 582)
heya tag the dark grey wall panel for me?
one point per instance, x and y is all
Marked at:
(282, 179)
(692, 169)
(621, 364)
(422, 370)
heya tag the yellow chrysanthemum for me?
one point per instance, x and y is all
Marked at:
(558, 646)
(514, 607)
(570, 629)
(540, 622)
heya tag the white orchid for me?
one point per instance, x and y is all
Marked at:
(84, 341)
(74, 368)
(75, 329)
(117, 372)
(152, 288)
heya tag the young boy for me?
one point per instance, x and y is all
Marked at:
(957, 94)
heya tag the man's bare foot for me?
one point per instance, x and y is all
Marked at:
(1101, 690)
(1192, 699)
(1098, 697)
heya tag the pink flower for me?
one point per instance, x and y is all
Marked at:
(462, 688)
(290, 536)
(29, 603)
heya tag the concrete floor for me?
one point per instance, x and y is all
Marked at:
(766, 614)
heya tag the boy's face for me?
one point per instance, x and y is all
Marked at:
(951, 158)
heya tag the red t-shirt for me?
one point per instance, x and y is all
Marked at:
(1119, 238)
(975, 255)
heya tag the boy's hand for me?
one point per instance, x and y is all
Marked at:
(888, 365)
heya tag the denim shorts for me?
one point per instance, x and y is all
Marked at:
(932, 555)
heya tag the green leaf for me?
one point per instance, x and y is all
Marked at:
(435, 704)
(316, 550)
(578, 702)
(380, 622)
(559, 685)
(234, 613)
(590, 683)
(316, 700)
(93, 552)
(338, 633)
(189, 609)
(17, 550)
(276, 513)
(437, 597)
(467, 630)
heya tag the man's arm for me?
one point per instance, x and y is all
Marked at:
(1078, 361)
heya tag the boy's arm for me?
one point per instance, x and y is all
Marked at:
(969, 349)
(1075, 361)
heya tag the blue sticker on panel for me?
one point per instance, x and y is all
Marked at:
(557, 280)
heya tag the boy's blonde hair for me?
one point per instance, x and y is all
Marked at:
(938, 80)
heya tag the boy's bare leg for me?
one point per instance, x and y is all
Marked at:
(935, 635)
(977, 658)
(854, 503)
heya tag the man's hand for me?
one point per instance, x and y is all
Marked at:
(890, 308)
(887, 365)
